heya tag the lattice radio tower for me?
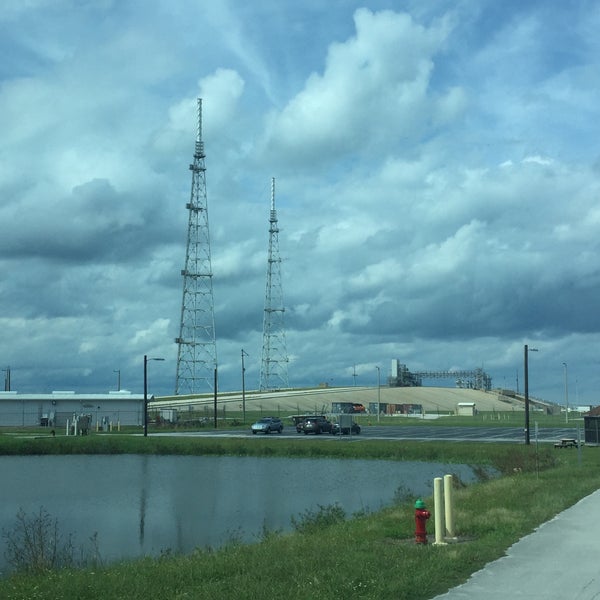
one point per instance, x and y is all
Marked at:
(197, 348)
(273, 371)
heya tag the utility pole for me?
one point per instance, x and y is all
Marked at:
(244, 353)
(378, 392)
(527, 350)
(7, 379)
(526, 375)
(566, 394)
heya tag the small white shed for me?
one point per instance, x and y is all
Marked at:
(466, 409)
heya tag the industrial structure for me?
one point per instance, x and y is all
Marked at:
(475, 379)
(274, 361)
(197, 348)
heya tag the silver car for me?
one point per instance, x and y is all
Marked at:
(266, 425)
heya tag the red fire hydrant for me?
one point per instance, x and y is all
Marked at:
(421, 516)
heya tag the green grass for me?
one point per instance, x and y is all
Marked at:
(369, 556)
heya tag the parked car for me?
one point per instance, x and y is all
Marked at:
(266, 425)
(354, 429)
(316, 425)
(299, 421)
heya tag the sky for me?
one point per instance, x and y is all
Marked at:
(437, 177)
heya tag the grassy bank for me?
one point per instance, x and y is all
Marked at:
(505, 457)
(369, 556)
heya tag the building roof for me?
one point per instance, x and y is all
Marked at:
(71, 395)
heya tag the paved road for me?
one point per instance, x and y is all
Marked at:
(423, 433)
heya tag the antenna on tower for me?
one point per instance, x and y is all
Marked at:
(197, 348)
(273, 371)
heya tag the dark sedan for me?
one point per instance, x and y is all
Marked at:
(354, 429)
(316, 425)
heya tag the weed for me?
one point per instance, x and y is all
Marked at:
(403, 495)
(266, 533)
(235, 537)
(313, 521)
(35, 545)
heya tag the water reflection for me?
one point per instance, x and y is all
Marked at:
(145, 505)
(143, 495)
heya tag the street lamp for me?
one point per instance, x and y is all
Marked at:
(566, 394)
(118, 379)
(378, 391)
(146, 359)
(243, 387)
(527, 350)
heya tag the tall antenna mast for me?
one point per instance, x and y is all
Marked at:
(197, 348)
(273, 371)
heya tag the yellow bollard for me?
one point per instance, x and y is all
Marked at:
(438, 511)
(449, 506)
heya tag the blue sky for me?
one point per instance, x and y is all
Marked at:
(437, 174)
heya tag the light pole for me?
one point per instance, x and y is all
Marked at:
(146, 359)
(118, 371)
(527, 350)
(7, 379)
(215, 393)
(378, 392)
(566, 394)
(244, 387)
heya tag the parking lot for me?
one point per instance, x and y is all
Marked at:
(422, 433)
(479, 434)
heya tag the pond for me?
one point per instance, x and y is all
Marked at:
(147, 505)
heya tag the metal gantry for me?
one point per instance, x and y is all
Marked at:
(274, 362)
(476, 379)
(197, 348)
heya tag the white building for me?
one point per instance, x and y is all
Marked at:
(113, 408)
(466, 409)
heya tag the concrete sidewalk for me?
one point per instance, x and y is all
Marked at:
(560, 560)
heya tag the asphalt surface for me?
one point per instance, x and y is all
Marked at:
(560, 560)
(422, 432)
(462, 434)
